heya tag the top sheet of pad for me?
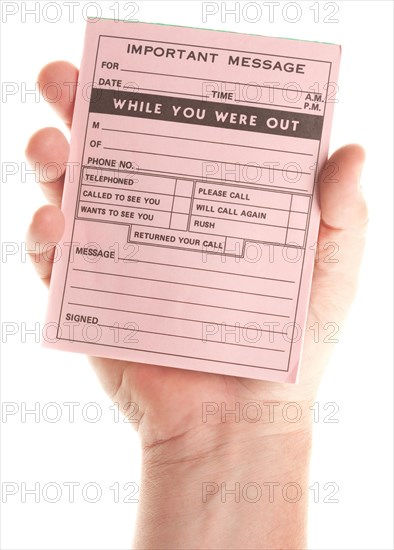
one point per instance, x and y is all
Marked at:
(190, 198)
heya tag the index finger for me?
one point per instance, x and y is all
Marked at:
(57, 82)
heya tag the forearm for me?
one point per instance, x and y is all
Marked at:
(243, 492)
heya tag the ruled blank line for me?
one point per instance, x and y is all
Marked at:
(182, 356)
(209, 270)
(178, 318)
(182, 336)
(271, 104)
(160, 91)
(206, 97)
(203, 160)
(184, 284)
(178, 301)
(172, 335)
(207, 141)
(211, 80)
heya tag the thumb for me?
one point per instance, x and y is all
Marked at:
(341, 199)
(344, 219)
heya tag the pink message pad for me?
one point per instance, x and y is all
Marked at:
(190, 199)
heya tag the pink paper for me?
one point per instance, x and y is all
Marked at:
(190, 199)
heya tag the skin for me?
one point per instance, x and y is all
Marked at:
(180, 451)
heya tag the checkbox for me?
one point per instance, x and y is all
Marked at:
(300, 203)
(297, 220)
(184, 188)
(181, 205)
(179, 221)
(295, 237)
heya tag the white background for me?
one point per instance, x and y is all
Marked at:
(355, 453)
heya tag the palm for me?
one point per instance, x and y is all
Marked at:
(172, 399)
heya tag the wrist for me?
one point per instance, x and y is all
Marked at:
(231, 489)
(227, 427)
(236, 446)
